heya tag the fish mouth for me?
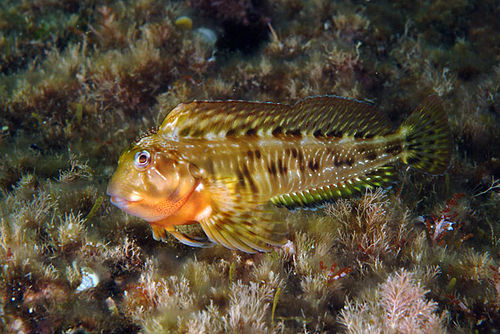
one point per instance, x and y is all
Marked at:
(122, 202)
(120, 198)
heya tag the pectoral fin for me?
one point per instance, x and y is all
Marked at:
(160, 234)
(242, 231)
(237, 220)
(190, 241)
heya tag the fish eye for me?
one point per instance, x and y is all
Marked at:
(142, 159)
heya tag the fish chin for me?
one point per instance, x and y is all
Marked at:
(134, 208)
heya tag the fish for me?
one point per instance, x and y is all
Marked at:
(219, 163)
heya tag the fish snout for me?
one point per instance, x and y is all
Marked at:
(120, 197)
(118, 201)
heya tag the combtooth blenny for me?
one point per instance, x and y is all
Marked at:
(217, 163)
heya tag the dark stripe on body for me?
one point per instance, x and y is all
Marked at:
(394, 149)
(296, 133)
(281, 167)
(249, 179)
(251, 132)
(313, 165)
(371, 156)
(277, 131)
(302, 165)
(271, 168)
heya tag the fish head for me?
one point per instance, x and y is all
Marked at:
(151, 182)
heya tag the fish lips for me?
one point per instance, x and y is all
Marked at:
(121, 201)
(131, 208)
(131, 204)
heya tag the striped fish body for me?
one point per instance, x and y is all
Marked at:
(217, 163)
(293, 170)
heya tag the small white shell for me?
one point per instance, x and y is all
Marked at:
(207, 35)
(89, 279)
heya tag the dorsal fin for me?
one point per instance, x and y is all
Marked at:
(148, 133)
(328, 116)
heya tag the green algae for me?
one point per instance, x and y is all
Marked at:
(95, 207)
(275, 303)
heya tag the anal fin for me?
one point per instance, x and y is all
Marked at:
(316, 197)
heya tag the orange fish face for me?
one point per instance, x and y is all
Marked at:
(151, 184)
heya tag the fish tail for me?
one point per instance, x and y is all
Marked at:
(427, 138)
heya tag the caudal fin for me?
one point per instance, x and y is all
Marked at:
(427, 137)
